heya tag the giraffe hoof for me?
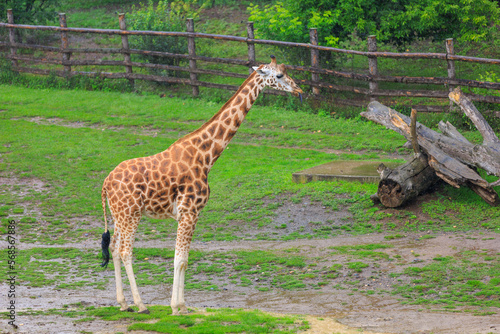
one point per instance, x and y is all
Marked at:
(146, 311)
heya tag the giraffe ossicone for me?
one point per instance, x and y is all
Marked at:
(174, 184)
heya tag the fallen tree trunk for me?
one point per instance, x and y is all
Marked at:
(452, 157)
(404, 183)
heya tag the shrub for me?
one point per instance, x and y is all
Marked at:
(37, 12)
(398, 21)
(29, 11)
(278, 22)
(163, 17)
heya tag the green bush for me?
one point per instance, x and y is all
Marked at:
(483, 107)
(29, 11)
(277, 22)
(37, 12)
(398, 21)
(464, 20)
(489, 77)
(282, 22)
(163, 17)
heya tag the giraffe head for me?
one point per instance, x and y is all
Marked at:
(275, 76)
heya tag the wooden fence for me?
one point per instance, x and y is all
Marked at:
(314, 71)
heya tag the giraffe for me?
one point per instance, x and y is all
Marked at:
(174, 184)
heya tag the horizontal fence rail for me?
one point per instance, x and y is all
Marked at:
(420, 55)
(372, 77)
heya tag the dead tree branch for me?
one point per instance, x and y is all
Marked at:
(452, 157)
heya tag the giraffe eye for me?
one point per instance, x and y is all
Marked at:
(279, 76)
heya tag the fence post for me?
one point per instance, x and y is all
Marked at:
(64, 43)
(125, 47)
(372, 63)
(313, 36)
(451, 65)
(192, 53)
(12, 36)
(251, 46)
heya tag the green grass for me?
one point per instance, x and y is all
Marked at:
(63, 268)
(81, 136)
(77, 137)
(394, 236)
(467, 280)
(211, 321)
(357, 266)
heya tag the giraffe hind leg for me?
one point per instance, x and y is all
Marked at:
(115, 251)
(126, 244)
(127, 261)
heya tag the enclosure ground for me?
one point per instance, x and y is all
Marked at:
(350, 310)
(321, 249)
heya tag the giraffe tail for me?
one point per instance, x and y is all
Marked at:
(106, 239)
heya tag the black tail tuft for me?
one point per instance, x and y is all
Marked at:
(106, 239)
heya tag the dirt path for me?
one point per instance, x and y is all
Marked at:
(329, 310)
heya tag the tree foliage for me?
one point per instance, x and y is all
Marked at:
(29, 11)
(395, 21)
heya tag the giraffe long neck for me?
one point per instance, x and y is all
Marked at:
(215, 135)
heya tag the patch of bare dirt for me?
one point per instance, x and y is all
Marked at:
(76, 125)
(22, 184)
(143, 131)
(23, 187)
(62, 122)
(289, 217)
(227, 14)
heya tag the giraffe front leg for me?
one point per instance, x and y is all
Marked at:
(178, 303)
(185, 231)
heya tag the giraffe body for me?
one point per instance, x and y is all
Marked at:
(174, 183)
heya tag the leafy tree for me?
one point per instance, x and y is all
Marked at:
(464, 20)
(29, 11)
(396, 21)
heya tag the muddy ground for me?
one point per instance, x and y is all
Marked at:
(338, 311)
